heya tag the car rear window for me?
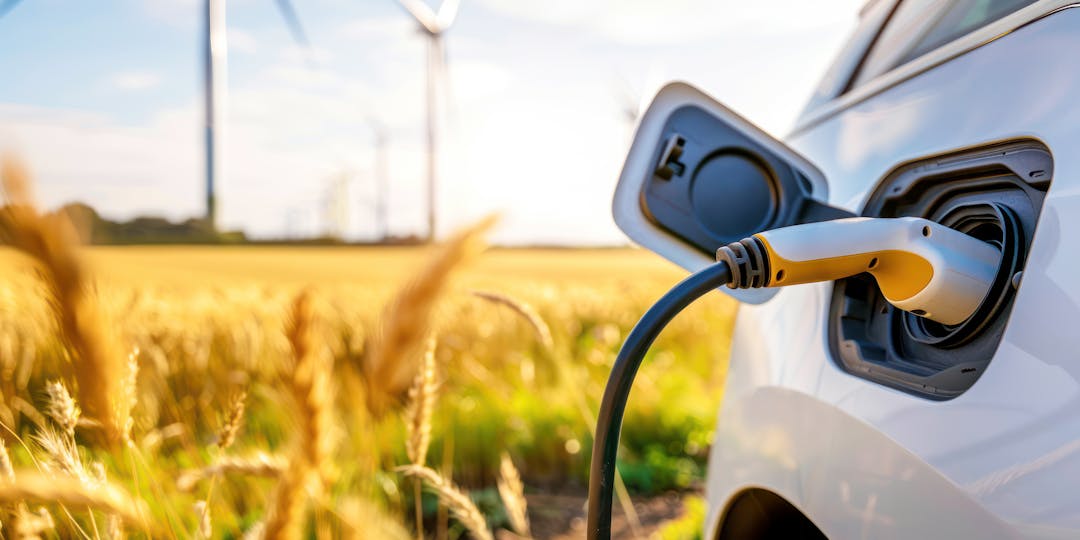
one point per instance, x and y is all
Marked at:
(920, 26)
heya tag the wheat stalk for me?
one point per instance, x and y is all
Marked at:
(365, 520)
(512, 493)
(419, 409)
(540, 328)
(418, 424)
(21, 522)
(461, 506)
(227, 435)
(26, 525)
(63, 455)
(61, 407)
(7, 472)
(310, 387)
(309, 465)
(286, 516)
(28, 410)
(128, 396)
(259, 464)
(206, 527)
(255, 532)
(70, 491)
(97, 361)
(115, 526)
(392, 364)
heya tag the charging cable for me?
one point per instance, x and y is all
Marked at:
(921, 266)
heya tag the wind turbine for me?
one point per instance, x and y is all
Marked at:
(215, 89)
(336, 204)
(215, 86)
(379, 131)
(433, 24)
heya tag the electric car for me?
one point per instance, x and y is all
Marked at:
(843, 415)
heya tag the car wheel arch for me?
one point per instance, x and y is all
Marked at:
(759, 513)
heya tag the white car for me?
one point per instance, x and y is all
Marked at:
(843, 416)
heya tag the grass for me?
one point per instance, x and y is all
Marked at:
(255, 387)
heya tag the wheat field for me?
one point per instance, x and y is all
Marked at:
(303, 392)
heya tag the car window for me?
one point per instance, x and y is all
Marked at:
(920, 26)
(836, 79)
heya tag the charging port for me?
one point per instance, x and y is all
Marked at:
(994, 194)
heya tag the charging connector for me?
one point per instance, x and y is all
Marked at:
(921, 266)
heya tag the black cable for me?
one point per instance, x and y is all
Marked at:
(609, 419)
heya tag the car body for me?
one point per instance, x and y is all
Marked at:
(802, 435)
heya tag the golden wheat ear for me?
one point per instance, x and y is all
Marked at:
(259, 464)
(68, 491)
(459, 502)
(99, 367)
(536, 322)
(61, 407)
(419, 408)
(309, 463)
(512, 493)
(310, 385)
(227, 434)
(393, 362)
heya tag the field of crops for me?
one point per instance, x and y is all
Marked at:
(282, 392)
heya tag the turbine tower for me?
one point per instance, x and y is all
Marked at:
(433, 24)
(216, 88)
(382, 229)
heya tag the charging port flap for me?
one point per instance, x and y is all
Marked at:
(699, 176)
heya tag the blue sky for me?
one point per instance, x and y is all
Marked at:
(103, 100)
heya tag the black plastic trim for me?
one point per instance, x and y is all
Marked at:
(760, 514)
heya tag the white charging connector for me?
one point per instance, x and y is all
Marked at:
(921, 266)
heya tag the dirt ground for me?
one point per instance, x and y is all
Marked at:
(562, 516)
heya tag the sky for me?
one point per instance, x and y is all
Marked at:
(103, 100)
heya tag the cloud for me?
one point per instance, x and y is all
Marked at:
(176, 13)
(298, 53)
(672, 21)
(378, 29)
(134, 81)
(119, 169)
(470, 80)
(241, 41)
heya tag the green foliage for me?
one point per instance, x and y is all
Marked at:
(545, 417)
(689, 525)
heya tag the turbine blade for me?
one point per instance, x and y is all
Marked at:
(422, 13)
(444, 84)
(447, 13)
(7, 5)
(293, 22)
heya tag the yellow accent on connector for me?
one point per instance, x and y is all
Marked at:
(900, 274)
